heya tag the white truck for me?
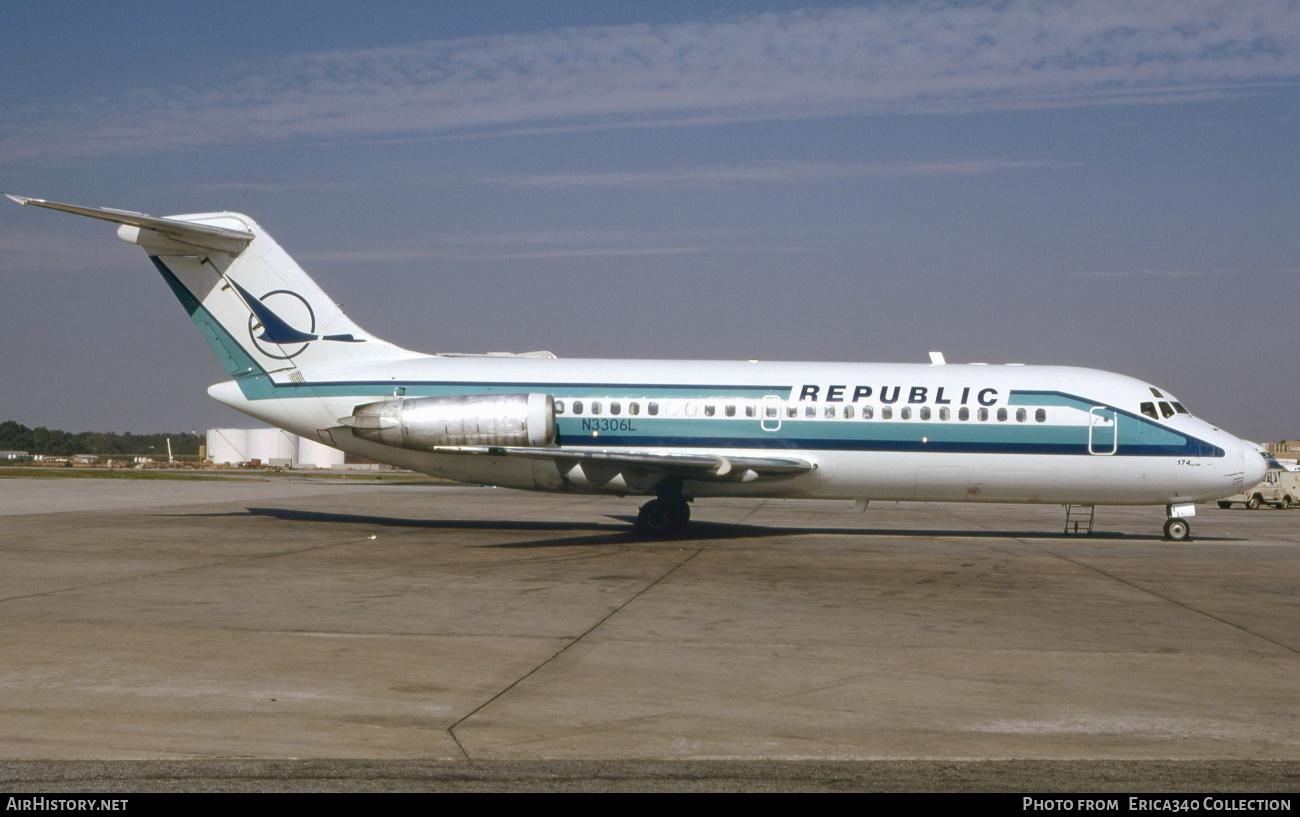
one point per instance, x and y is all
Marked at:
(1280, 488)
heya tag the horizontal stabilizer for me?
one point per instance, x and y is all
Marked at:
(206, 236)
(689, 466)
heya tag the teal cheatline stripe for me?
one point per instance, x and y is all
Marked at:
(1135, 430)
(610, 391)
(1049, 398)
(989, 438)
(441, 388)
(248, 373)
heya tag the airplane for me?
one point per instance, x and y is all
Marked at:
(678, 431)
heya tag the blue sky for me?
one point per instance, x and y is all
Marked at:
(1106, 184)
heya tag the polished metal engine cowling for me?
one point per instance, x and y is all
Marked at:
(421, 423)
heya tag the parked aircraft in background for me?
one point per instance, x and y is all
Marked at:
(678, 430)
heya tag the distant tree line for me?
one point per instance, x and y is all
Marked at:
(54, 443)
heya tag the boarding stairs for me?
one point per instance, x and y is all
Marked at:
(1078, 519)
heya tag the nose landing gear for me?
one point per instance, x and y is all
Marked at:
(1177, 528)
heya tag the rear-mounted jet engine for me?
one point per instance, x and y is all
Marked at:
(423, 423)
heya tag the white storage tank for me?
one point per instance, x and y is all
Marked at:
(312, 454)
(273, 446)
(228, 446)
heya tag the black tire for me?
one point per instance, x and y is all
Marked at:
(1287, 503)
(663, 517)
(1177, 530)
(1225, 504)
(1254, 502)
(654, 518)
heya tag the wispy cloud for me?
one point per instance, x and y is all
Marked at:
(43, 251)
(274, 187)
(768, 173)
(1183, 273)
(887, 57)
(543, 244)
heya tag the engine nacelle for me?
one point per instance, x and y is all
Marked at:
(421, 423)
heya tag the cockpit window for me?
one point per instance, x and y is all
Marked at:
(1155, 392)
(1166, 409)
(1149, 409)
(1178, 407)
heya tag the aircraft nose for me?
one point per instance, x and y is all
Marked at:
(1254, 466)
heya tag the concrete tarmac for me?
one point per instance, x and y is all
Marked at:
(309, 624)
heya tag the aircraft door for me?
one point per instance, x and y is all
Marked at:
(770, 412)
(1103, 430)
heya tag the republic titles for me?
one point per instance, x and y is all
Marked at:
(907, 395)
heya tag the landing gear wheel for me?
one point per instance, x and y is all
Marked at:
(1225, 505)
(663, 517)
(1177, 530)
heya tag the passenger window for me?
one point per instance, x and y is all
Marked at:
(595, 407)
(963, 414)
(791, 411)
(559, 406)
(615, 408)
(1149, 409)
(730, 410)
(691, 409)
(906, 413)
(771, 410)
(652, 409)
(983, 414)
(708, 409)
(1002, 415)
(848, 412)
(925, 412)
(944, 414)
(811, 411)
(1021, 415)
(886, 412)
(634, 408)
(1166, 410)
(751, 410)
(830, 412)
(1040, 415)
(867, 411)
(577, 406)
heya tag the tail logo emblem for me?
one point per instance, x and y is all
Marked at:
(273, 322)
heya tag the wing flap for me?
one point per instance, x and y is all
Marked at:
(689, 466)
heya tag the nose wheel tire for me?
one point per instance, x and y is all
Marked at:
(1178, 530)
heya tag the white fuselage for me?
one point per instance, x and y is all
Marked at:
(974, 433)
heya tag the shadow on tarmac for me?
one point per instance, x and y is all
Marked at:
(697, 531)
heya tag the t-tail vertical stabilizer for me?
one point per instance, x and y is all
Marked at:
(261, 313)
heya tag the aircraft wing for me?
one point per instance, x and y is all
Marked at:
(208, 236)
(687, 466)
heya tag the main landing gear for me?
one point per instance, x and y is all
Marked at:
(667, 515)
